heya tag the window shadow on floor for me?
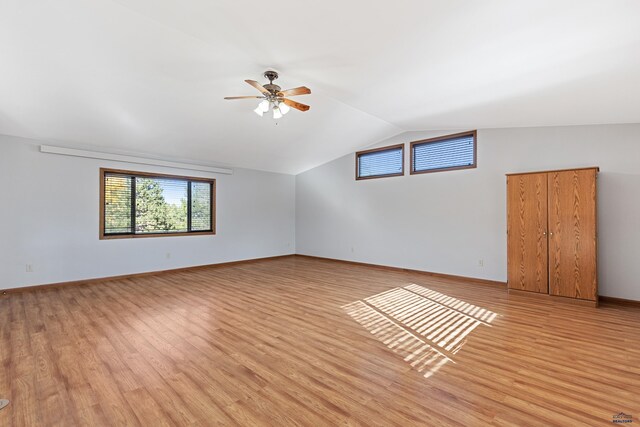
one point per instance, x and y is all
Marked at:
(425, 327)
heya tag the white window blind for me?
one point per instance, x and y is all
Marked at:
(456, 152)
(380, 162)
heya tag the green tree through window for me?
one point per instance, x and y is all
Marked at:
(153, 213)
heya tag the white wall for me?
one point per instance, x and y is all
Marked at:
(445, 222)
(442, 222)
(49, 218)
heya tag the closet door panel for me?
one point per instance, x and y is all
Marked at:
(526, 232)
(572, 234)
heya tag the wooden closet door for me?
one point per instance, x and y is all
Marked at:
(572, 237)
(527, 232)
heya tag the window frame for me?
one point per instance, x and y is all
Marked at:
(373, 150)
(473, 133)
(104, 171)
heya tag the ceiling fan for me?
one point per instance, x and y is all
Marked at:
(274, 98)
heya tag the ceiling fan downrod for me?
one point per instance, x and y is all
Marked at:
(271, 76)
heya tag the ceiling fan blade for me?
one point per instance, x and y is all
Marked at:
(258, 86)
(296, 105)
(302, 90)
(243, 97)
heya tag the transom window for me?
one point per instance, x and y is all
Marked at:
(137, 204)
(448, 152)
(380, 162)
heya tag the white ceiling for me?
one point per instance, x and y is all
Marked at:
(148, 76)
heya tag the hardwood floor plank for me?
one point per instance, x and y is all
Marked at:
(307, 342)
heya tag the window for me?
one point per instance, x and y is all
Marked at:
(448, 152)
(380, 162)
(136, 204)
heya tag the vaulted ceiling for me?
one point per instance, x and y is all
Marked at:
(149, 76)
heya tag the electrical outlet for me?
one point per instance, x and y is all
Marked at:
(168, 255)
(29, 268)
(352, 250)
(480, 263)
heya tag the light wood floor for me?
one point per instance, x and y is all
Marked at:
(299, 341)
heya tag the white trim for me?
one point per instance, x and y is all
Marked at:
(131, 159)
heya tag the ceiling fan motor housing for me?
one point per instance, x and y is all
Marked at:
(272, 88)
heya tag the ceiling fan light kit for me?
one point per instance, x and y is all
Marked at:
(273, 98)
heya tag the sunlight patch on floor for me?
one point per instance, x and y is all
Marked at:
(425, 327)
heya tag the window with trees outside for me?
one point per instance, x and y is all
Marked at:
(137, 204)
